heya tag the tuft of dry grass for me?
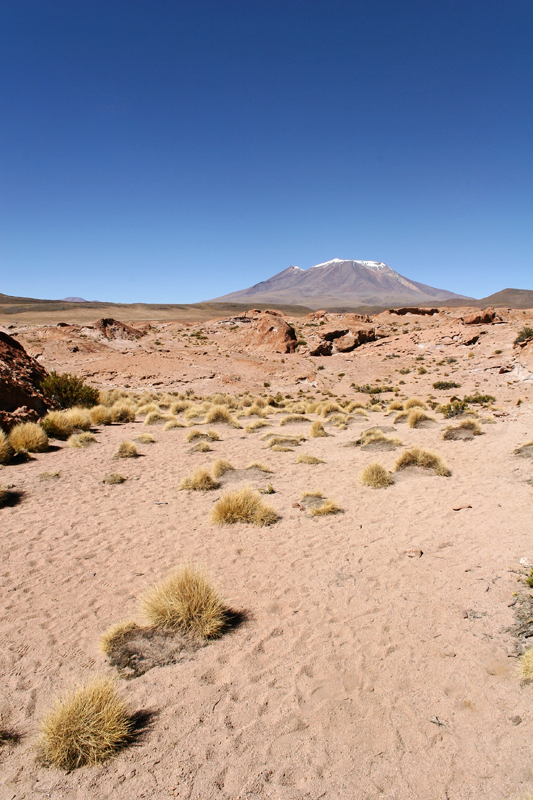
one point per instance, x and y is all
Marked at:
(185, 601)
(220, 468)
(156, 417)
(145, 438)
(328, 407)
(376, 476)
(280, 448)
(148, 408)
(111, 638)
(80, 417)
(87, 726)
(414, 402)
(220, 414)
(294, 418)
(303, 458)
(28, 437)
(260, 466)
(179, 406)
(101, 415)
(49, 476)
(243, 505)
(57, 425)
(525, 665)
(256, 425)
(126, 450)
(396, 405)
(114, 479)
(327, 507)
(283, 441)
(196, 434)
(416, 457)
(317, 430)
(81, 439)
(199, 481)
(201, 447)
(213, 435)
(470, 426)
(417, 417)
(403, 416)
(123, 412)
(6, 451)
(172, 423)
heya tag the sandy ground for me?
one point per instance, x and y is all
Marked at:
(363, 670)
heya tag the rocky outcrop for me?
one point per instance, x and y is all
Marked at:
(114, 329)
(276, 334)
(344, 341)
(21, 397)
(481, 317)
(423, 312)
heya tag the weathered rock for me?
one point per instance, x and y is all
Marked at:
(344, 344)
(414, 310)
(21, 397)
(276, 334)
(330, 335)
(324, 349)
(480, 318)
(114, 329)
(344, 341)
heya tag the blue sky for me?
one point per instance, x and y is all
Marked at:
(173, 151)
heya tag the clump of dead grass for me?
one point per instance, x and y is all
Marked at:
(145, 438)
(28, 437)
(200, 481)
(156, 418)
(81, 439)
(243, 505)
(6, 451)
(317, 430)
(172, 423)
(123, 412)
(114, 479)
(115, 634)
(87, 726)
(283, 441)
(396, 405)
(260, 466)
(220, 468)
(525, 665)
(376, 476)
(416, 457)
(414, 402)
(57, 425)
(201, 447)
(185, 601)
(220, 414)
(471, 426)
(126, 450)
(294, 418)
(80, 418)
(417, 417)
(101, 415)
(256, 425)
(318, 506)
(303, 458)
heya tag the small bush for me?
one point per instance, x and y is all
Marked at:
(69, 390)
(244, 505)
(416, 457)
(220, 468)
(57, 425)
(28, 437)
(446, 385)
(126, 450)
(81, 439)
(101, 415)
(453, 409)
(317, 430)
(524, 334)
(122, 412)
(305, 459)
(525, 665)
(479, 399)
(87, 726)
(413, 402)
(185, 601)
(376, 476)
(6, 451)
(200, 481)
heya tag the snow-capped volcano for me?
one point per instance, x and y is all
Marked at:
(340, 283)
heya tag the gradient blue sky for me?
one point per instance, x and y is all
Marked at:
(175, 151)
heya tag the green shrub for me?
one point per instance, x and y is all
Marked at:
(453, 408)
(479, 399)
(525, 333)
(446, 385)
(69, 390)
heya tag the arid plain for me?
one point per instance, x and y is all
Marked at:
(375, 650)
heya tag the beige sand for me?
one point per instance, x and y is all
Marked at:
(364, 670)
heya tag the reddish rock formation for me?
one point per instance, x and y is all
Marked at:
(344, 341)
(114, 329)
(414, 310)
(21, 398)
(480, 318)
(276, 334)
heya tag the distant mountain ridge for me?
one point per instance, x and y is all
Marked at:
(341, 283)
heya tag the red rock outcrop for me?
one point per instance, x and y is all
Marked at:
(276, 334)
(480, 318)
(414, 310)
(343, 340)
(21, 397)
(114, 329)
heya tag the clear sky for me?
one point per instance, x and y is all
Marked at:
(177, 150)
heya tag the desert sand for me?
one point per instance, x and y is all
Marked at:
(376, 658)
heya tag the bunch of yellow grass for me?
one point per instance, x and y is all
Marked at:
(417, 417)
(317, 430)
(123, 412)
(220, 468)
(416, 457)
(414, 402)
(288, 420)
(87, 726)
(306, 459)
(199, 481)
(81, 439)
(28, 437)
(57, 425)
(185, 601)
(126, 450)
(243, 505)
(101, 415)
(376, 476)
(79, 417)
(6, 451)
